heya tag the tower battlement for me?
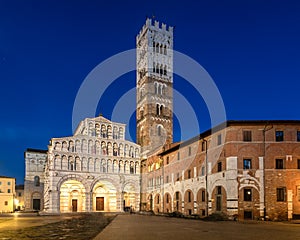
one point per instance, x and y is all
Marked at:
(157, 26)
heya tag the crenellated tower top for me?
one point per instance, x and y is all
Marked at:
(157, 26)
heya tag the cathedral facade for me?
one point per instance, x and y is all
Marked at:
(241, 169)
(96, 169)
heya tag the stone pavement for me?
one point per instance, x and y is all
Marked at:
(128, 227)
(79, 226)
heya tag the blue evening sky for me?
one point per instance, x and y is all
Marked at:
(251, 49)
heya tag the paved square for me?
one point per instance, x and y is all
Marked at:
(153, 227)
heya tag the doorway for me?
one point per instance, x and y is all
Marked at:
(74, 205)
(99, 203)
(36, 204)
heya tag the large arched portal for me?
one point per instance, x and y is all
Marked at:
(72, 196)
(130, 197)
(104, 197)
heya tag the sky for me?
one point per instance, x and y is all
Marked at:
(250, 49)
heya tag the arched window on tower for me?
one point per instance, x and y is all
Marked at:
(161, 110)
(159, 128)
(165, 50)
(36, 181)
(157, 109)
(153, 46)
(157, 48)
(161, 89)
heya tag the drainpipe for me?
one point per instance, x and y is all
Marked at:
(266, 128)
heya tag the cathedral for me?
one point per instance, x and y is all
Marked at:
(241, 169)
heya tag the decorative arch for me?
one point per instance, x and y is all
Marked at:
(72, 177)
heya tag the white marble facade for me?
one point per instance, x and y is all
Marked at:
(94, 170)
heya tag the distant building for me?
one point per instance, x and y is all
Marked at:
(7, 194)
(35, 162)
(19, 198)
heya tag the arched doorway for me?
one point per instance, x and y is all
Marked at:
(104, 197)
(36, 202)
(157, 203)
(72, 196)
(188, 202)
(201, 202)
(177, 202)
(150, 203)
(129, 200)
(168, 202)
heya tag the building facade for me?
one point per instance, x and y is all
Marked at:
(35, 162)
(244, 169)
(94, 170)
(7, 194)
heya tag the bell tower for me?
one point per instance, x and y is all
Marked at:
(154, 79)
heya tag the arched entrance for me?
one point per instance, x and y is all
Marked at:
(72, 196)
(37, 201)
(104, 197)
(177, 202)
(168, 202)
(129, 200)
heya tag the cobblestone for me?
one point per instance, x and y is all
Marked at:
(77, 227)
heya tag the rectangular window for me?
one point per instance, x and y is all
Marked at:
(177, 195)
(247, 136)
(168, 160)
(19, 194)
(298, 164)
(189, 197)
(0, 183)
(247, 164)
(8, 190)
(219, 166)
(280, 194)
(279, 136)
(279, 164)
(178, 156)
(219, 139)
(203, 196)
(189, 174)
(8, 183)
(190, 151)
(247, 194)
(167, 179)
(6, 203)
(298, 136)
